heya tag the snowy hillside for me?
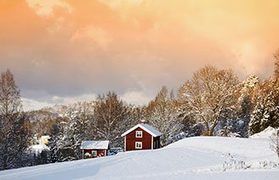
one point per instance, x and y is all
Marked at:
(190, 158)
(267, 133)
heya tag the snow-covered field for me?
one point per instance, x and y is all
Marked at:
(191, 158)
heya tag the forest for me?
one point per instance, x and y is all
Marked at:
(214, 102)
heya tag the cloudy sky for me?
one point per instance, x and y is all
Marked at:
(66, 50)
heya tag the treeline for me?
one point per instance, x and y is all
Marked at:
(213, 102)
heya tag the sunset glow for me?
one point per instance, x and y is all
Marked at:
(66, 50)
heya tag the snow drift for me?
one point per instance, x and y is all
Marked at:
(269, 132)
(190, 158)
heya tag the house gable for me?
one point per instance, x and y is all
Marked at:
(147, 128)
(131, 139)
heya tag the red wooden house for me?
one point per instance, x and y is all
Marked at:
(141, 136)
(93, 149)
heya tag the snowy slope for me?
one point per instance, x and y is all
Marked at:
(267, 133)
(191, 158)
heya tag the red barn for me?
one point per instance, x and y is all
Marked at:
(93, 149)
(141, 136)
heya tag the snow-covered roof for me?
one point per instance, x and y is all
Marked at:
(146, 127)
(38, 148)
(44, 139)
(94, 145)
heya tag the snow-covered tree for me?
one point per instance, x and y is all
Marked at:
(112, 118)
(161, 113)
(56, 143)
(14, 126)
(209, 96)
(266, 112)
(78, 129)
(245, 106)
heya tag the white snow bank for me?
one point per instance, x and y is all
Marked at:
(38, 148)
(241, 147)
(267, 133)
(191, 158)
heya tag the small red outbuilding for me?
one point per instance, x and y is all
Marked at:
(140, 137)
(93, 149)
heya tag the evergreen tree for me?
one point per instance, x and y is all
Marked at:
(55, 143)
(266, 112)
(245, 106)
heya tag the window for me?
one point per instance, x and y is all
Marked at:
(138, 145)
(138, 134)
(94, 153)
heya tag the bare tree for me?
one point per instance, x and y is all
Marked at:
(161, 113)
(112, 117)
(14, 134)
(209, 96)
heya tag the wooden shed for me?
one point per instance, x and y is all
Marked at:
(93, 149)
(140, 137)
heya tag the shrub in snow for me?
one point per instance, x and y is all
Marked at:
(267, 165)
(234, 163)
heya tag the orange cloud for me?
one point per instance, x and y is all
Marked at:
(46, 8)
(69, 47)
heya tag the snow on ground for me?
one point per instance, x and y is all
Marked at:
(267, 133)
(194, 158)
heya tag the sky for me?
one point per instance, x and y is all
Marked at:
(62, 51)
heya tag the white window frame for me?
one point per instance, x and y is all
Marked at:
(139, 135)
(138, 145)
